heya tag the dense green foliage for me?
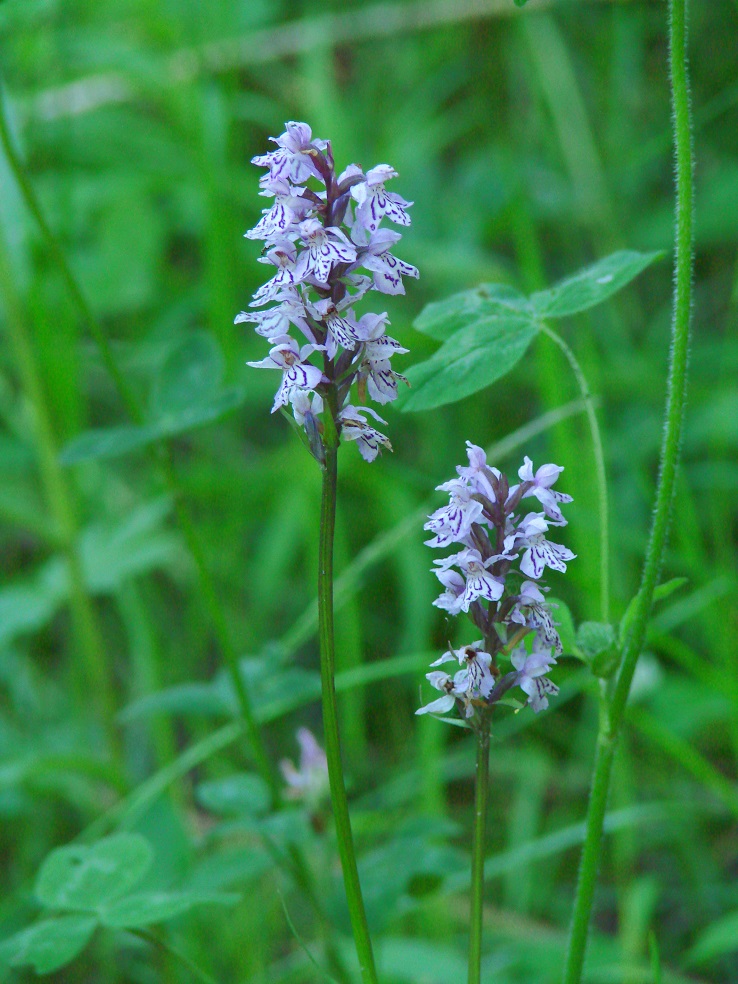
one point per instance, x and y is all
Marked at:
(144, 553)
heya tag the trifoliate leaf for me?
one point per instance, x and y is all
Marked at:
(81, 877)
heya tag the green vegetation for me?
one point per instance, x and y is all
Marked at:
(159, 530)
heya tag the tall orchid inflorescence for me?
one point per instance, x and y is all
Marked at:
(318, 238)
(505, 602)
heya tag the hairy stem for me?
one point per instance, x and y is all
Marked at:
(339, 799)
(670, 448)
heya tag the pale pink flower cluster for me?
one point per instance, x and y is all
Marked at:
(494, 578)
(320, 231)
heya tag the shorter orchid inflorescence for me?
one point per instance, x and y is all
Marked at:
(318, 238)
(505, 602)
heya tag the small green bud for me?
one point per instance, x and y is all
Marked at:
(597, 644)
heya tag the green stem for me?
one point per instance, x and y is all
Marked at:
(599, 455)
(674, 418)
(160, 943)
(481, 795)
(161, 455)
(60, 504)
(339, 799)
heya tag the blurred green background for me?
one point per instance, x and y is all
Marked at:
(532, 142)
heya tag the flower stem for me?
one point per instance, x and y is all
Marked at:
(674, 417)
(481, 795)
(599, 455)
(339, 799)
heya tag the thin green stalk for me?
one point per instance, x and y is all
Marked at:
(481, 796)
(161, 455)
(339, 800)
(160, 943)
(60, 504)
(674, 418)
(599, 455)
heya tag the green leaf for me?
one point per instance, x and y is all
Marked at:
(186, 394)
(191, 374)
(235, 795)
(661, 592)
(81, 877)
(593, 285)
(198, 414)
(718, 939)
(594, 638)
(50, 944)
(597, 643)
(109, 442)
(153, 907)
(472, 359)
(441, 319)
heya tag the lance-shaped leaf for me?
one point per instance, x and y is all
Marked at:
(472, 359)
(592, 285)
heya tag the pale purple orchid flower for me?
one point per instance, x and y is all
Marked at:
(540, 553)
(531, 676)
(325, 248)
(355, 428)
(542, 481)
(309, 782)
(387, 270)
(452, 523)
(374, 203)
(291, 359)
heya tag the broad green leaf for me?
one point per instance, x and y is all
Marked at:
(49, 944)
(235, 795)
(153, 907)
(81, 877)
(198, 413)
(717, 940)
(191, 374)
(472, 359)
(109, 442)
(441, 319)
(112, 442)
(593, 285)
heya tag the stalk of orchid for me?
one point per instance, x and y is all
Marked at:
(321, 230)
(508, 608)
